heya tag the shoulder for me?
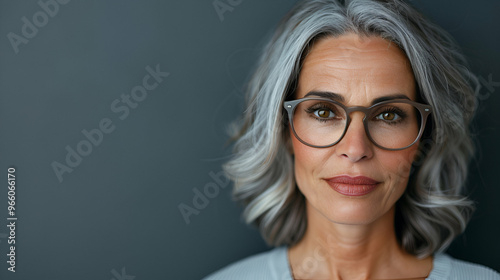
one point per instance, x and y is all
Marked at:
(446, 267)
(272, 264)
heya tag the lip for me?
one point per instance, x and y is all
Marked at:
(352, 186)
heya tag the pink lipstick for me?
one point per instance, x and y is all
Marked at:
(352, 186)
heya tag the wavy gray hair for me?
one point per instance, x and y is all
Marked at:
(432, 211)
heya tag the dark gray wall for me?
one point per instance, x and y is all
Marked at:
(117, 212)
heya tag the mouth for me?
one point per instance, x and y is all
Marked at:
(352, 186)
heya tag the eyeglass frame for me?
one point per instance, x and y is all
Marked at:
(423, 109)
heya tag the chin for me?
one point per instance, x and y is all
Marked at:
(352, 214)
(351, 210)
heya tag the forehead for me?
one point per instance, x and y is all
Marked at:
(360, 69)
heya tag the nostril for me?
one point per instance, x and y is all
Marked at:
(354, 158)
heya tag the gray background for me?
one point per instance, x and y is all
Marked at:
(119, 207)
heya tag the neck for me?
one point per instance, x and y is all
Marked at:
(330, 250)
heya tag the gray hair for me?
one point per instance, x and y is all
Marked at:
(432, 211)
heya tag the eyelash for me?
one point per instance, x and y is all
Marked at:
(317, 107)
(402, 115)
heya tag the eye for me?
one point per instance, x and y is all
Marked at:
(324, 114)
(388, 116)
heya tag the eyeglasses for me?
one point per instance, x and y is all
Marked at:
(390, 125)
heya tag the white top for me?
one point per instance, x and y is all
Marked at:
(273, 265)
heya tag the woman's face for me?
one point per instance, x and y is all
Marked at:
(354, 181)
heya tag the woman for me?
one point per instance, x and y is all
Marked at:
(354, 148)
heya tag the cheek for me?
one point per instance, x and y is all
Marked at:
(301, 159)
(307, 162)
(397, 165)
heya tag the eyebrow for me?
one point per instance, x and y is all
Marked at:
(327, 94)
(337, 97)
(390, 97)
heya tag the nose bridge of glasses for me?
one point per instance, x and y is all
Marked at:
(363, 111)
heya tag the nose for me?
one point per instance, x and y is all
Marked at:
(355, 145)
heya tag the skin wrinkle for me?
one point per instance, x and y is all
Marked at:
(356, 235)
